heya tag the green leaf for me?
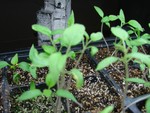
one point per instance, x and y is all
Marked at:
(32, 86)
(130, 32)
(105, 19)
(96, 36)
(30, 94)
(57, 31)
(72, 54)
(147, 106)
(121, 16)
(145, 36)
(142, 67)
(32, 70)
(147, 84)
(149, 24)
(65, 94)
(119, 46)
(32, 52)
(57, 62)
(135, 24)
(47, 92)
(49, 49)
(134, 49)
(120, 33)
(73, 35)
(16, 77)
(51, 79)
(71, 19)
(99, 11)
(78, 76)
(108, 24)
(3, 64)
(113, 17)
(136, 80)
(139, 42)
(108, 109)
(14, 59)
(94, 50)
(140, 56)
(24, 66)
(106, 62)
(42, 29)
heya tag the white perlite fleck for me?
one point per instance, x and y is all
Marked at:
(54, 15)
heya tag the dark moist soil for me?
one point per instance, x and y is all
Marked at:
(95, 95)
(116, 71)
(1, 107)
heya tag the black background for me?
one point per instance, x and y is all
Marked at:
(17, 16)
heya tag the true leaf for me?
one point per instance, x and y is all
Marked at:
(105, 19)
(96, 36)
(78, 76)
(113, 17)
(106, 62)
(71, 19)
(72, 54)
(147, 84)
(24, 66)
(49, 49)
(32, 86)
(121, 16)
(57, 31)
(108, 109)
(149, 24)
(16, 77)
(136, 80)
(32, 70)
(120, 33)
(135, 49)
(135, 24)
(99, 11)
(139, 42)
(14, 59)
(47, 92)
(30, 94)
(94, 50)
(142, 67)
(65, 94)
(3, 64)
(73, 35)
(51, 79)
(32, 52)
(140, 56)
(42, 29)
(147, 106)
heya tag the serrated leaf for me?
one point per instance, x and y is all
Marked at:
(147, 106)
(113, 17)
(120, 33)
(71, 19)
(3, 64)
(65, 94)
(14, 59)
(33, 70)
(73, 35)
(94, 50)
(42, 29)
(106, 62)
(24, 66)
(108, 109)
(78, 76)
(140, 56)
(135, 24)
(122, 16)
(47, 92)
(99, 11)
(139, 42)
(135, 80)
(30, 94)
(49, 49)
(32, 85)
(51, 79)
(96, 36)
